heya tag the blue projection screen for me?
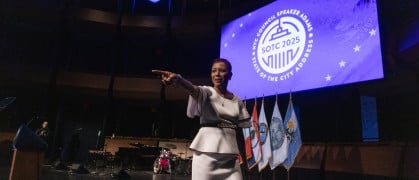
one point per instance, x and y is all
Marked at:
(290, 46)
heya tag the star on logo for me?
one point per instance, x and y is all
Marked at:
(342, 63)
(225, 44)
(241, 25)
(328, 77)
(233, 35)
(357, 48)
(373, 32)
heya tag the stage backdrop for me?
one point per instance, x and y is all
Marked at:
(302, 44)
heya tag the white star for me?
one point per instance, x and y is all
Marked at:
(373, 32)
(225, 44)
(241, 25)
(253, 53)
(342, 63)
(328, 77)
(357, 48)
(233, 35)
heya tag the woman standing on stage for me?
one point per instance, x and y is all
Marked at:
(221, 112)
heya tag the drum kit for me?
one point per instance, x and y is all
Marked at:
(163, 160)
(170, 163)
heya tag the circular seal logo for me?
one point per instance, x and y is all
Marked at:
(282, 45)
(277, 131)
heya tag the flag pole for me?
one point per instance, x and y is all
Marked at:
(290, 95)
(273, 174)
(263, 99)
(245, 102)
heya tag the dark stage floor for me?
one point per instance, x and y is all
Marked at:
(50, 173)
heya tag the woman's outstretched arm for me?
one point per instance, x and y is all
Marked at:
(168, 78)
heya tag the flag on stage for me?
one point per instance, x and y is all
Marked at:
(265, 139)
(279, 141)
(293, 132)
(239, 156)
(247, 143)
(248, 147)
(250, 159)
(254, 140)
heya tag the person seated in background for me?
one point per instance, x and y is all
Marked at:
(43, 131)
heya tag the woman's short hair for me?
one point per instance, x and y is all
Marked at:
(225, 61)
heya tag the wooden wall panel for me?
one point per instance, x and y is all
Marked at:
(343, 158)
(4, 136)
(380, 160)
(310, 156)
(410, 165)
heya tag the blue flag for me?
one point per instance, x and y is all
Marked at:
(293, 133)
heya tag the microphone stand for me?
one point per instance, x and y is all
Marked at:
(97, 140)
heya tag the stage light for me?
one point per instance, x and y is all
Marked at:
(154, 1)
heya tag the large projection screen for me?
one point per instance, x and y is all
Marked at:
(290, 46)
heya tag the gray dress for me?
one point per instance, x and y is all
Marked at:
(215, 149)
